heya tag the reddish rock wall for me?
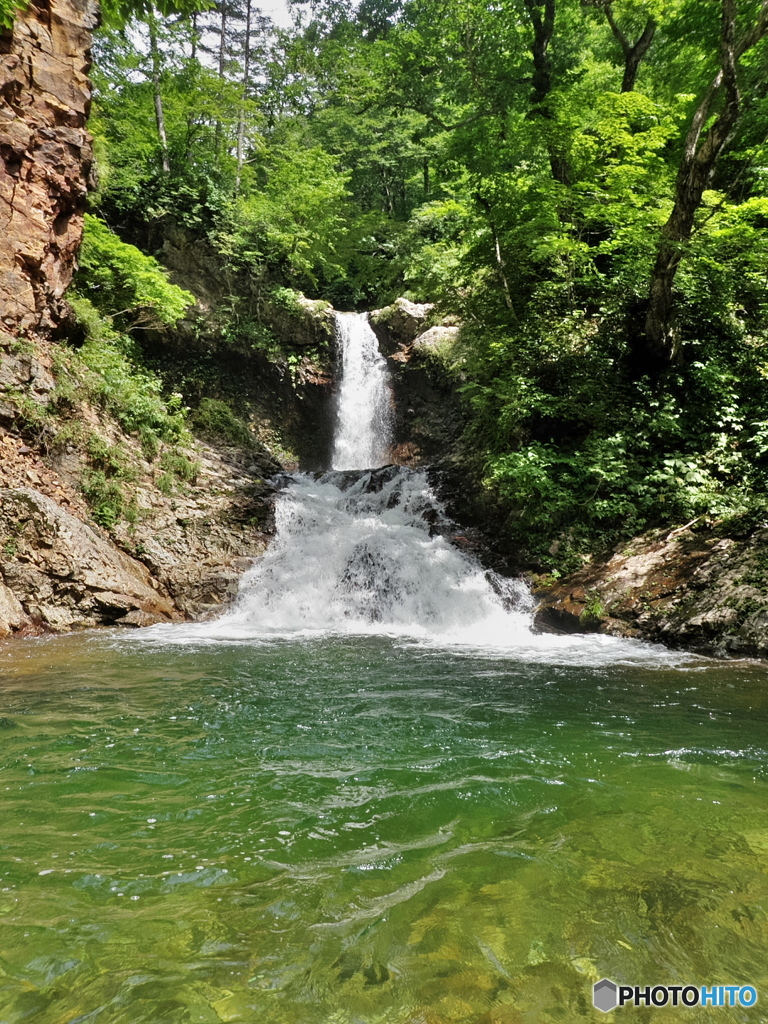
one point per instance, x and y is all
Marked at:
(45, 158)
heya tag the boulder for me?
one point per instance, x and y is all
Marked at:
(12, 616)
(691, 588)
(63, 574)
(396, 326)
(436, 338)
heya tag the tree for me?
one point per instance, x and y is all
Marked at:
(705, 143)
(155, 58)
(633, 52)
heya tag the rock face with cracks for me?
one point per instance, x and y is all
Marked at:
(428, 417)
(45, 158)
(700, 589)
(59, 573)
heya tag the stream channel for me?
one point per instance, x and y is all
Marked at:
(370, 794)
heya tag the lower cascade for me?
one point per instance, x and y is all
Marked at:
(359, 548)
(362, 552)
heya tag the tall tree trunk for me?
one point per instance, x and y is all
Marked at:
(501, 267)
(542, 15)
(154, 53)
(195, 37)
(246, 85)
(633, 52)
(46, 158)
(700, 156)
(222, 64)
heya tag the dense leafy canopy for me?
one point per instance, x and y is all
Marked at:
(524, 164)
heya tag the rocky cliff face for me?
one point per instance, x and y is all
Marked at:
(45, 158)
(179, 554)
(695, 587)
(182, 557)
(428, 416)
(60, 572)
(237, 340)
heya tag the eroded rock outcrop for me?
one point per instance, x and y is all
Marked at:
(397, 326)
(59, 573)
(428, 414)
(698, 589)
(45, 157)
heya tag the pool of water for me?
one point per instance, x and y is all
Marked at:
(354, 830)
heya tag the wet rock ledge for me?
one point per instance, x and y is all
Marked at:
(702, 589)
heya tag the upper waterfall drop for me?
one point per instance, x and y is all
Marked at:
(363, 434)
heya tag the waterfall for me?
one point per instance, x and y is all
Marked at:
(363, 426)
(362, 552)
(366, 550)
(362, 548)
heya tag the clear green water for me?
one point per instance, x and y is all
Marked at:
(362, 830)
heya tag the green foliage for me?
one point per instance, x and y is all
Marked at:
(112, 460)
(124, 283)
(119, 12)
(297, 222)
(166, 484)
(107, 370)
(593, 611)
(368, 152)
(180, 465)
(583, 455)
(9, 9)
(107, 499)
(215, 419)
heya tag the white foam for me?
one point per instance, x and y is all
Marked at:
(351, 560)
(357, 553)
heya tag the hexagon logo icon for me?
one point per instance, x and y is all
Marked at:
(604, 995)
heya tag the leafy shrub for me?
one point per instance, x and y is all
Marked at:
(107, 499)
(112, 460)
(214, 418)
(180, 465)
(125, 283)
(105, 370)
